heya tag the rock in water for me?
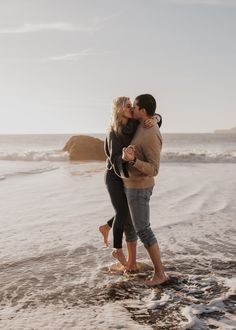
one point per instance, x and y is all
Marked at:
(83, 147)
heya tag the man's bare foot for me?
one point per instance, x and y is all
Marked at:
(156, 280)
(119, 255)
(104, 230)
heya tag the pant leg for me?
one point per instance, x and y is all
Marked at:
(118, 199)
(138, 201)
(110, 222)
(129, 229)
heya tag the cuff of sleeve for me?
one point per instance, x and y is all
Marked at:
(133, 162)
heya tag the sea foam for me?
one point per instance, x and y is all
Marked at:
(180, 156)
(199, 157)
(32, 155)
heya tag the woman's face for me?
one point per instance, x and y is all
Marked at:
(127, 110)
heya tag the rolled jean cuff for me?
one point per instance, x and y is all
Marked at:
(150, 243)
(147, 237)
(131, 239)
(130, 235)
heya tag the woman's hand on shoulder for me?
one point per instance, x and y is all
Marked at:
(149, 123)
(153, 121)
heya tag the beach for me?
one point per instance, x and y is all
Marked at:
(54, 268)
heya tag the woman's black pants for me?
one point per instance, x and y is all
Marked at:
(122, 217)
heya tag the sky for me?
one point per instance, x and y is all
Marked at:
(62, 62)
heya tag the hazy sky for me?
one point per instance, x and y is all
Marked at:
(63, 61)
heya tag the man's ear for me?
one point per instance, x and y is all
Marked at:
(143, 111)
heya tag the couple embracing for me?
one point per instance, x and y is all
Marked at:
(133, 145)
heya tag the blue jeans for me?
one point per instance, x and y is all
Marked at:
(138, 201)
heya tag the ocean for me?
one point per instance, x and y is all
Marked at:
(54, 268)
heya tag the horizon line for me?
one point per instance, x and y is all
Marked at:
(104, 132)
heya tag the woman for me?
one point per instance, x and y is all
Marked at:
(120, 134)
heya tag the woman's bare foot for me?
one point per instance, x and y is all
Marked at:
(128, 271)
(156, 280)
(131, 268)
(104, 230)
(119, 255)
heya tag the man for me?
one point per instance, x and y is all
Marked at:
(143, 157)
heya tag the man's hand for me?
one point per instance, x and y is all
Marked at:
(128, 154)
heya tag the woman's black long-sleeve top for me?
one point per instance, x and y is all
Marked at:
(114, 144)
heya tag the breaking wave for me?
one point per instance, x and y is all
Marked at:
(49, 155)
(199, 157)
(179, 157)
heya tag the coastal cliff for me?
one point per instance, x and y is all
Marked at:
(226, 131)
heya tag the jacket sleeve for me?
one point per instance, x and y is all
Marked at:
(159, 119)
(113, 150)
(152, 151)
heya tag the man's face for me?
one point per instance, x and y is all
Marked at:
(136, 110)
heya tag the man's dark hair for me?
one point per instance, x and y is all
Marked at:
(147, 102)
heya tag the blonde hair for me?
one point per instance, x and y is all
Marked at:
(117, 113)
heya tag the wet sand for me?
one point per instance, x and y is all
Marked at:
(54, 269)
(196, 289)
